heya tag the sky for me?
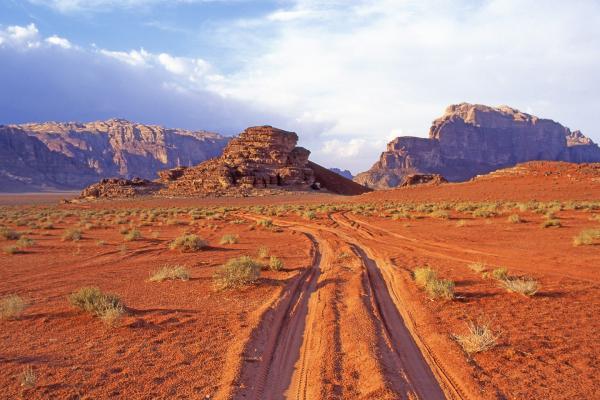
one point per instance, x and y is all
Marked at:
(347, 76)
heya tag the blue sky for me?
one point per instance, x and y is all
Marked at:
(348, 76)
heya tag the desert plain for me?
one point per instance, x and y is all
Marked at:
(487, 289)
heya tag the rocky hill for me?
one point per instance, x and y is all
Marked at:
(63, 156)
(472, 139)
(261, 160)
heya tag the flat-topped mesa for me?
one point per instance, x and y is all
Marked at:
(474, 139)
(260, 157)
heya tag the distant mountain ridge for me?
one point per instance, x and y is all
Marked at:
(474, 139)
(342, 172)
(65, 156)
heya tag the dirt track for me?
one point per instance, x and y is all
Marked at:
(320, 341)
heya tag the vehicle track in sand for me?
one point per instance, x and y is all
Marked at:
(274, 347)
(336, 333)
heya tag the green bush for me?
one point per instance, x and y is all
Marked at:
(237, 272)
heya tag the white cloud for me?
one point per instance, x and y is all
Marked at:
(133, 57)
(20, 36)
(58, 41)
(69, 6)
(374, 67)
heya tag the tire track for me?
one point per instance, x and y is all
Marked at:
(274, 349)
(411, 375)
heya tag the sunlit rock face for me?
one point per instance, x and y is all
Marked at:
(473, 139)
(72, 155)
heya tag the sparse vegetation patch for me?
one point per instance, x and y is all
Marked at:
(170, 273)
(237, 272)
(12, 307)
(478, 338)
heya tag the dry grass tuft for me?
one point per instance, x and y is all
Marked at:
(275, 264)
(263, 252)
(426, 278)
(500, 273)
(524, 286)
(514, 219)
(132, 235)
(551, 223)
(478, 267)
(479, 337)
(72, 235)
(12, 307)
(28, 378)
(237, 272)
(586, 237)
(170, 273)
(229, 239)
(188, 242)
(108, 307)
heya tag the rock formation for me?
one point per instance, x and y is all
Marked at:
(469, 140)
(261, 160)
(72, 155)
(342, 172)
(422, 179)
(119, 187)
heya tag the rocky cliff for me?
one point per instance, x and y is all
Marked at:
(52, 156)
(472, 139)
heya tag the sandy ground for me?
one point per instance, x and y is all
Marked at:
(344, 319)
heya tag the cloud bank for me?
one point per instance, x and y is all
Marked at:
(346, 77)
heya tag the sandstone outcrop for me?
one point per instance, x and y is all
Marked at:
(119, 187)
(50, 156)
(470, 140)
(261, 160)
(423, 179)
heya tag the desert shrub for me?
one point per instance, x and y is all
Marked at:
(500, 273)
(479, 337)
(310, 215)
(478, 267)
(170, 273)
(265, 223)
(229, 239)
(514, 219)
(426, 278)
(263, 252)
(275, 264)
(524, 286)
(72, 235)
(188, 242)
(586, 237)
(422, 275)
(549, 223)
(132, 235)
(441, 214)
(12, 307)
(28, 378)
(9, 234)
(108, 307)
(237, 272)
(460, 223)
(10, 250)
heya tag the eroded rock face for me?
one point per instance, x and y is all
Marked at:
(72, 155)
(261, 157)
(470, 139)
(119, 187)
(423, 179)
